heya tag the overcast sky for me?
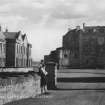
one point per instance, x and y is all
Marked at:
(46, 21)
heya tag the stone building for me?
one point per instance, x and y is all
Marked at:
(2, 49)
(81, 48)
(71, 53)
(16, 49)
(13, 49)
(52, 57)
(92, 47)
(86, 47)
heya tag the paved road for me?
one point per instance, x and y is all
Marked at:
(67, 97)
(70, 97)
(81, 79)
(81, 73)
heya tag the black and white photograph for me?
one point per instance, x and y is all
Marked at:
(52, 52)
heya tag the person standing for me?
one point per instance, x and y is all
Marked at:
(43, 74)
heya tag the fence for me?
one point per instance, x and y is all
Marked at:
(15, 88)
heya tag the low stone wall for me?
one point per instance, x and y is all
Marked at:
(18, 87)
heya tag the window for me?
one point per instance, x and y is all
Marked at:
(17, 49)
(65, 55)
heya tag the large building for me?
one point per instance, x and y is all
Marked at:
(85, 47)
(71, 53)
(82, 48)
(18, 50)
(92, 47)
(2, 49)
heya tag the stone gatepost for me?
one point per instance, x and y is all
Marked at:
(51, 68)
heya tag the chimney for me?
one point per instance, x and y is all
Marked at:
(0, 28)
(6, 30)
(77, 28)
(69, 28)
(83, 26)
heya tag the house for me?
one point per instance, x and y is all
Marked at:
(84, 48)
(14, 44)
(2, 49)
(18, 50)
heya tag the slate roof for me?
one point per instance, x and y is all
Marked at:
(11, 35)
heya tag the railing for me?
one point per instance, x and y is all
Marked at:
(15, 88)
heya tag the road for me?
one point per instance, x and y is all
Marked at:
(70, 93)
(81, 79)
(66, 97)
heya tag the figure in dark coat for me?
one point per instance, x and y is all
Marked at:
(43, 75)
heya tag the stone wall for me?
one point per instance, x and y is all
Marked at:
(19, 87)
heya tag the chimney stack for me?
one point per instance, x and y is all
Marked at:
(77, 28)
(69, 28)
(83, 26)
(6, 30)
(0, 28)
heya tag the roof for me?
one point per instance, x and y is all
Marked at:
(96, 29)
(11, 35)
(23, 36)
(94, 26)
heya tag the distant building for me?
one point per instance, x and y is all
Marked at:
(51, 57)
(17, 49)
(54, 56)
(2, 49)
(81, 48)
(86, 47)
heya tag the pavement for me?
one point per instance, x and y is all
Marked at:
(66, 97)
(70, 93)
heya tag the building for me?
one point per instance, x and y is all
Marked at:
(81, 48)
(2, 49)
(92, 47)
(52, 57)
(84, 48)
(14, 44)
(17, 49)
(71, 53)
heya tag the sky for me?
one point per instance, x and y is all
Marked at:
(46, 21)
